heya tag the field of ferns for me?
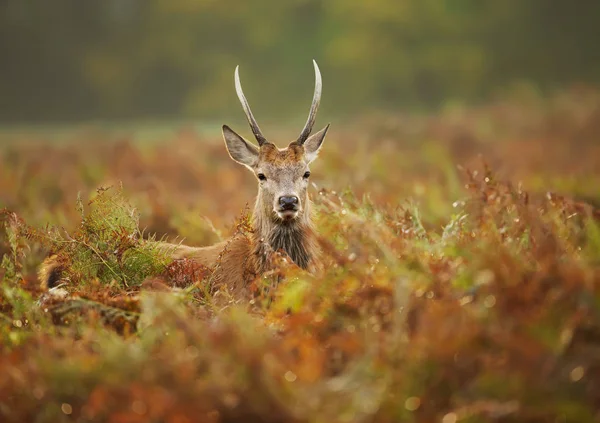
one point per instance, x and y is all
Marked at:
(461, 281)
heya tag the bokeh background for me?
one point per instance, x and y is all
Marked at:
(73, 60)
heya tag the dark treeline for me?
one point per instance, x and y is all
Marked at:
(69, 60)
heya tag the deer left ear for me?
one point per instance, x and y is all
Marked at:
(313, 144)
(239, 149)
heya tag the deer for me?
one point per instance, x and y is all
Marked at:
(281, 218)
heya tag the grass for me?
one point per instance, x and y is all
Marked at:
(462, 278)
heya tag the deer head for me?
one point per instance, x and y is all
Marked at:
(282, 174)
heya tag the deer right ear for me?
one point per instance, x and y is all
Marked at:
(313, 144)
(239, 149)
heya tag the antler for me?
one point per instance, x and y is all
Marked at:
(312, 115)
(253, 125)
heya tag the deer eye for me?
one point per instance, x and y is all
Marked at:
(262, 177)
(306, 174)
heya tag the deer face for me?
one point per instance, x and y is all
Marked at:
(282, 174)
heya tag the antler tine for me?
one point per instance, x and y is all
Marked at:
(253, 125)
(312, 115)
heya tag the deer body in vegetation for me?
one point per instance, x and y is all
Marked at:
(281, 219)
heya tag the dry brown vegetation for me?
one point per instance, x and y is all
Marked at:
(462, 279)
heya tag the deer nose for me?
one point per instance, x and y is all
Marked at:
(288, 202)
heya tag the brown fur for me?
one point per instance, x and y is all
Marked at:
(230, 260)
(276, 157)
(49, 273)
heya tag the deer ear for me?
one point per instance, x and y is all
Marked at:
(313, 144)
(239, 149)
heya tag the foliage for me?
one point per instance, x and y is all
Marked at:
(108, 245)
(469, 295)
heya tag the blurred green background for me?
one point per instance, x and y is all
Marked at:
(74, 60)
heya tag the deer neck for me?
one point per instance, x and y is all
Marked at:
(270, 234)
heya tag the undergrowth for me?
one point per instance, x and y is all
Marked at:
(108, 246)
(476, 300)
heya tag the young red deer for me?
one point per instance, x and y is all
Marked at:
(281, 218)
